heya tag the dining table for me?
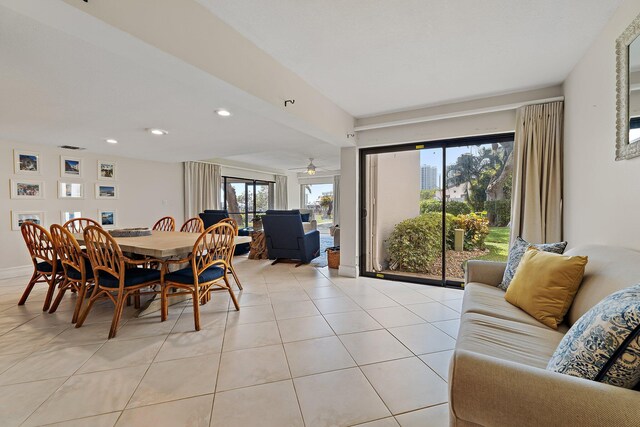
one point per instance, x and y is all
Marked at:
(161, 245)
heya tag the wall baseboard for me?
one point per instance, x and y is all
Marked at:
(347, 271)
(11, 272)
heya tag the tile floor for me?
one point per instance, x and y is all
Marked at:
(307, 348)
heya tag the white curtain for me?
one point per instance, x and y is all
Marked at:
(202, 182)
(336, 200)
(281, 192)
(536, 209)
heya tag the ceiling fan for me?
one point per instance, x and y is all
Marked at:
(310, 169)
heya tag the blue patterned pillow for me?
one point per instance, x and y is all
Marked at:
(604, 344)
(516, 252)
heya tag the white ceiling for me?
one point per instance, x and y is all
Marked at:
(58, 89)
(378, 56)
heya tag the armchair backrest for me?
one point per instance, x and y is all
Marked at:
(39, 244)
(211, 217)
(283, 230)
(214, 246)
(68, 250)
(309, 213)
(104, 253)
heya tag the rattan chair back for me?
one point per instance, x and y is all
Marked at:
(166, 223)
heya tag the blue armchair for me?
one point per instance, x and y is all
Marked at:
(214, 216)
(286, 239)
(211, 217)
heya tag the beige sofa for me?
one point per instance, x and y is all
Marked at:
(497, 375)
(310, 225)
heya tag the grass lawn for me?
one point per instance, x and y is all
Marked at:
(498, 244)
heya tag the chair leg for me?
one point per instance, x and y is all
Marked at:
(196, 309)
(52, 287)
(233, 296)
(61, 291)
(29, 288)
(164, 304)
(136, 300)
(235, 276)
(82, 289)
(85, 312)
(117, 313)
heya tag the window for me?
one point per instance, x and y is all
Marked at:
(429, 208)
(244, 198)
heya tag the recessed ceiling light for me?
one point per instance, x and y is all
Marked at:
(223, 112)
(155, 131)
(111, 141)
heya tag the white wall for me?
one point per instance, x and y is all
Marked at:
(602, 200)
(349, 232)
(398, 183)
(147, 191)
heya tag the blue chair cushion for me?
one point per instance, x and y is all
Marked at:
(185, 275)
(48, 268)
(132, 277)
(75, 274)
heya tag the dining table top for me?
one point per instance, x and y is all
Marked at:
(162, 244)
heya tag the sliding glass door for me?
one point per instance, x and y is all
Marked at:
(244, 198)
(429, 208)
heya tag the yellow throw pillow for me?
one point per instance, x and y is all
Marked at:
(545, 284)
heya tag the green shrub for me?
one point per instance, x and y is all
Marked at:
(453, 207)
(415, 243)
(498, 212)
(476, 230)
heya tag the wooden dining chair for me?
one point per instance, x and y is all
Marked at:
(115, 276)
(77, 225)
(46, 268)
(75, 265)
(166, 223)
(232, 269)
(207, 270)
(193, 225)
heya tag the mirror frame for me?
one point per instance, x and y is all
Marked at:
(624, 150)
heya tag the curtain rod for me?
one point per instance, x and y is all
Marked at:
(239, 167)
(452, 115)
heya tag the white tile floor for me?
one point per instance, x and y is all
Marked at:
(307, 348)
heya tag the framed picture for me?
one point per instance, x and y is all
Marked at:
(70, 167)
(107, 218)
(106, 170)
(26, 162)
(20, 217)
(67, 215)
(70, 190)
(25, 189)
(106, 191)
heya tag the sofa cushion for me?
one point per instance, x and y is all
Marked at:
(545, 284)
(610, 269)
(489, 300)
(604, 344)
(508, 340)
(516, 252)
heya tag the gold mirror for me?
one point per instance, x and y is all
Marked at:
(628, 92)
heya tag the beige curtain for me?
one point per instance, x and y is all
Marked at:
(336, 200)
(281, 201)
(536, 210)
(202, 187)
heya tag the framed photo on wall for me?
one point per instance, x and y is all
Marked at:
(107, 218)
(26, 189)
(70, 190)
(26, 162)
(67, 215)
(106, 170)
(106, 191)
(20, 217)
(70, 167)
